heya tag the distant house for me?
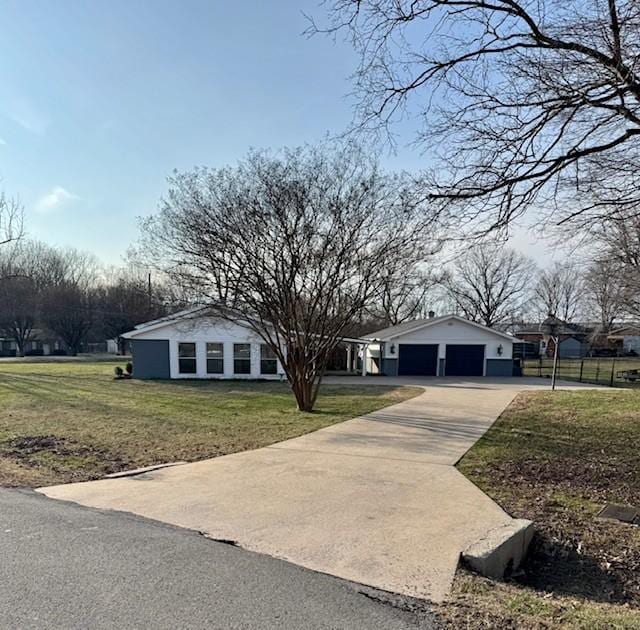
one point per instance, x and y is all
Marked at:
(573, 342)
(41, 344)
(625, 340)
(45, 344)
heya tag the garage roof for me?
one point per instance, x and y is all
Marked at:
(417, 324)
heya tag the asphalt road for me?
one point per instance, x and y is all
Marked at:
(65, 566)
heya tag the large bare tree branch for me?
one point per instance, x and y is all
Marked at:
(518, 103)
(11, 220)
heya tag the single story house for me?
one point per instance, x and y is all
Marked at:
(197, 344)
(440, 346)
(194, 344)
(40, 344)
(573, 341)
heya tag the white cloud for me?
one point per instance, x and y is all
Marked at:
(3, 142)
(54, 199)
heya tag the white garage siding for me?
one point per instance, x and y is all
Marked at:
(443, 331)
(199, 331)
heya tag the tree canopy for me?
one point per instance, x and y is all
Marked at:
(298, 243)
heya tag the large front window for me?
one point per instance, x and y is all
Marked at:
(268, 360)
(242, 358)
(215, 358)
(187, 358)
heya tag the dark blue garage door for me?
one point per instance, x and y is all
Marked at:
(418, 360)
(464, 360)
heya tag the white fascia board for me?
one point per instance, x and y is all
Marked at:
(446, 318)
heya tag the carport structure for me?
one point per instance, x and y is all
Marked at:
(440, 346)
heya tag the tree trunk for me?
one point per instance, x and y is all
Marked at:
(304, 393)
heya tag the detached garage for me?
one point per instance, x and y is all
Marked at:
(440, 346)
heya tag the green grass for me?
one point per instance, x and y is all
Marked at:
(556, 458)
(62, 422)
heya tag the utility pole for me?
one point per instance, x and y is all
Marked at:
(555, 362)
(550, 327)
(149, 292)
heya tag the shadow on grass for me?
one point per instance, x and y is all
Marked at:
(554, 567)
(261, 386)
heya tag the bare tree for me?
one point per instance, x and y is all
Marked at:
(18, 310)
(605, 292)
(45, 286)
(559, 292)
(520, 102)
(620, 243)
(20, 290)
(69, 302)
(68, 310)
(11, 219)
(490, 284)
(402, 296)
(292, 246)
(126, 299)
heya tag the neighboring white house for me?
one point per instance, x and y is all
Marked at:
(193, 344)
(196, 344)
(440, 346)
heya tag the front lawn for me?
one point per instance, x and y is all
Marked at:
(557, 458)
(71, 421)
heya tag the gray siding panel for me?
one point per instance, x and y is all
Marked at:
(441, 363)
(570, 348)
(150, 358)
(390, 367)
(499, 367)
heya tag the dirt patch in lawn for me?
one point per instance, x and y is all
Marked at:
(557, 459)
(61, 455)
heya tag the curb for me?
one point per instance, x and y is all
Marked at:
(501, 550)
(141, 471)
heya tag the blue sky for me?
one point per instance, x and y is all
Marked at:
(100, 101)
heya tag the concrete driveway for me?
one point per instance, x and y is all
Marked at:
(375, 500)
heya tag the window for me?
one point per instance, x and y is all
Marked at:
(215, 358)
(242, 358)
(268, 361)
(187, 358)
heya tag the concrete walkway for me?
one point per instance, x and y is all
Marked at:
(375, 500)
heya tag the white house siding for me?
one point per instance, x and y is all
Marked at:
(454, 332)
(448, 331)
(373, 358)
(207, 330)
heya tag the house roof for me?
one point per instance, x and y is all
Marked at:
(193, 313)
(631, 330)
(164, 321)
(565, 329)
(418, 324)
